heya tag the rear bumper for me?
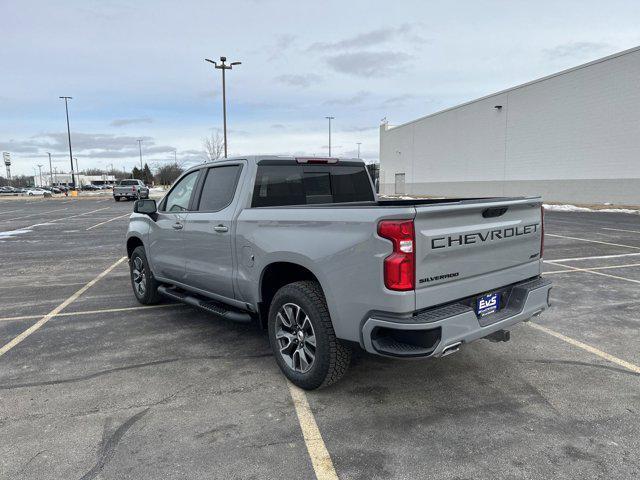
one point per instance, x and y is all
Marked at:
(428, 333)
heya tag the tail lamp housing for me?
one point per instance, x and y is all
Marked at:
(400, 266)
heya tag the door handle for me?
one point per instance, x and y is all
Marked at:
(220, 228)
(177, 226)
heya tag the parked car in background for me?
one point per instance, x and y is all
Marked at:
(130, 189)
(38, 191)
(90, 188)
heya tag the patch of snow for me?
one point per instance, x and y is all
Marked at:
(574, 208)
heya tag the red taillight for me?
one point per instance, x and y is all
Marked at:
(541, 230)
(400, 266)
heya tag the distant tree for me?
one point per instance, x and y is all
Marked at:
(21, 181)
(147, 176)
(213, 146)
(167, 174)
(3, 181)
(136, 173)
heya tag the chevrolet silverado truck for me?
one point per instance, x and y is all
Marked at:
(305, 248)
(131, 189)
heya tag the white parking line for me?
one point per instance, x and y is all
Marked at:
(33, 215)
(110, 220)
(592, 241)
(58, 219)
(590, 270)
(11, 211)
(94, 312)
(320, 458)
(621, 230)
(588, 348)
(597, 257)
(36, 326)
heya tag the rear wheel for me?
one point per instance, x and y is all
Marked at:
(145, 287)
(302, 337)
(117, 199)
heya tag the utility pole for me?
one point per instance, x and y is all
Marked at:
(40, 173)
(359, 143)
(223, 66)
(329, 118)
(140, 147)
(50, 169)
(66, 107)
(175, 156)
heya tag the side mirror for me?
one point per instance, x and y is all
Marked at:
(145, 206)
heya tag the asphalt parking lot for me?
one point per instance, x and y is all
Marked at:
(93, 385)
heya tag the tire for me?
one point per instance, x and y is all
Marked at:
(148, 295)
(117, 199)
(331, 358)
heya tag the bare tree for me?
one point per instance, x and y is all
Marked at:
(213, 146)
(167, 174)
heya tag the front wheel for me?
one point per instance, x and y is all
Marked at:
(145, 287)
(117, 199)
(302, 337)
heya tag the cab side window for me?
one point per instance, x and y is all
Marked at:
(179, 197)
(219, 188)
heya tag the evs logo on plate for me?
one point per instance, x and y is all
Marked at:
(487, 304)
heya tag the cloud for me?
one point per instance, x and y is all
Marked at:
(576, 50)
(352, 100)
(302, 81)
(88, 145)
(373, 37)
(283, 43)
(359, 129)
(368, 64)
(398, 100)
(278, 126)
(121, 122)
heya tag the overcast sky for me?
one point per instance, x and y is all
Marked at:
(136, 69)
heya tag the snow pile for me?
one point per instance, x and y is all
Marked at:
(574, 208)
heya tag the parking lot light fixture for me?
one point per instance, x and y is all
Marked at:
(66, 107)
(223, 66)
(50, 169)
(140, 148)
(329, 118)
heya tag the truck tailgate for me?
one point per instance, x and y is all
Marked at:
(475, 246)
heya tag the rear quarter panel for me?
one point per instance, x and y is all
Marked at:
(339, 245)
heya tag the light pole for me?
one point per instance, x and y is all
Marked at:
(223, 66)
(329, 118)
(77, 170)
(50, 169)
(359, 143)
(40, 173)
(66, 107)
(140, 147)
(175, 156)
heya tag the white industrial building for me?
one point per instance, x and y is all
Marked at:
(50, 179)
(571, 137)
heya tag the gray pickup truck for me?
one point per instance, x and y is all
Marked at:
(130, 189)
(304, 247)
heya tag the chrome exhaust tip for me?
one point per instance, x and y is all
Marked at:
(449, 349)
